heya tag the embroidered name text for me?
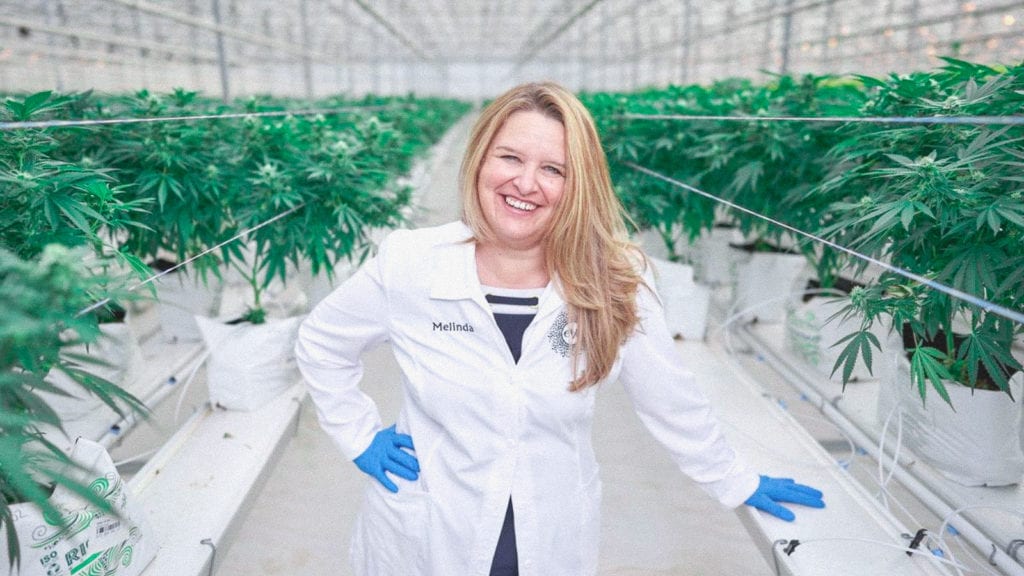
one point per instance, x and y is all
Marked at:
(453, 327)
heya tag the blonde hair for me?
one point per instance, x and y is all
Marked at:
(587, 246)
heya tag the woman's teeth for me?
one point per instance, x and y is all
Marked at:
(519, 204)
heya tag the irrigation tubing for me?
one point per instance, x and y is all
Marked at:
(981, 303)
(967, 120)
(8, 126)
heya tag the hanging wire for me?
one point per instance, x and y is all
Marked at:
(5, 126)
(964, 120)
(985, 305)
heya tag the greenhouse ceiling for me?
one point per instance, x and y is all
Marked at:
(475, 48)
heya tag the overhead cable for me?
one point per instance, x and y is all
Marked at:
(985, 305)
(5, 126)
(968, 120)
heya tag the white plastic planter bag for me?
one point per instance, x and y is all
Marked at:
(765, 286)
(812, 337)
(84, 540)
(716, 262)
(182, 297)
(83, 414)
(249, 365)
(978, 444)
(686, 302)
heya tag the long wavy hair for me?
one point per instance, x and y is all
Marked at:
(587, 246)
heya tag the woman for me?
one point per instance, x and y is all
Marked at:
(504, 324)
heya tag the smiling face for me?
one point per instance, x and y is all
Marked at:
(522, 179)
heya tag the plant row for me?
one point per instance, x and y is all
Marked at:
(88, 210)
(942, 200)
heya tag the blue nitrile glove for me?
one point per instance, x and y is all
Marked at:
(771, 491)
(385, 454)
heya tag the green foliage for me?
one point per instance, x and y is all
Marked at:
(139, 191)
(207, 180)
(40, 315)
(46, 199)
(767, 167)
(945, 202)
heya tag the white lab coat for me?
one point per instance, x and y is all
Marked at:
(484, 427)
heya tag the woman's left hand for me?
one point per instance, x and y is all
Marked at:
(771, 491)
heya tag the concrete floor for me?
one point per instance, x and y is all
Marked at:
(655, 521)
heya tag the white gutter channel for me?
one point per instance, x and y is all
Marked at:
(999, 557)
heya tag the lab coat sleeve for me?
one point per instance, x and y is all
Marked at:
(675, 410)
(349, 321)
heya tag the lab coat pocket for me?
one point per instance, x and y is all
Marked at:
(390, 535)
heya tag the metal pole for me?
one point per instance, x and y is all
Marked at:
(635, 75)
(914, 34)
(143, 52)
(222, 60)
(307, 64)
(787, 34)
(604, 50)
(53, 11)
(687, 40)
(829, 28)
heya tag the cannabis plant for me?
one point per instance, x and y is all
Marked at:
(48, 199)
(945, 202)
(41, 314)
(328, 180)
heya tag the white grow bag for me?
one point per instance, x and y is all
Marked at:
(686, 302)
(765, 286)
(84, 414)
(977, 444)
(85, 539)
(181, 297)
(249, 365)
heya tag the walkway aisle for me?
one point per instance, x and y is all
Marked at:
(655, 521)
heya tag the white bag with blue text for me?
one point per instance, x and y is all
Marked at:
(84, 539)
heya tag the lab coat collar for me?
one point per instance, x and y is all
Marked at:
(454, 276)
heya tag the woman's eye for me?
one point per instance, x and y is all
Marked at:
(510, 158)
(553, 170)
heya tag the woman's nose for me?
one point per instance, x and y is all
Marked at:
(526, 181)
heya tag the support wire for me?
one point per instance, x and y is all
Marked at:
(985, 305)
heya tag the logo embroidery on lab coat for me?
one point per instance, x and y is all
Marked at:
(562, 334)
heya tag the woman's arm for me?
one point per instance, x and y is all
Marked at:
(331, 341)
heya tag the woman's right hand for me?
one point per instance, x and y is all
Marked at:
(386, 454)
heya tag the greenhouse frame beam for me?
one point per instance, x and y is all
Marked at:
(387, 25)
(952, 17)
(757, 18)
(228, 31)
(532, 50)
(876, 31)
(174, 50)
(70, 54)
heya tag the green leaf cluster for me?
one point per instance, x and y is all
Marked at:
(78, 203)
(945, 201)
(763, 166)
(40, 304)
(207, 180)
